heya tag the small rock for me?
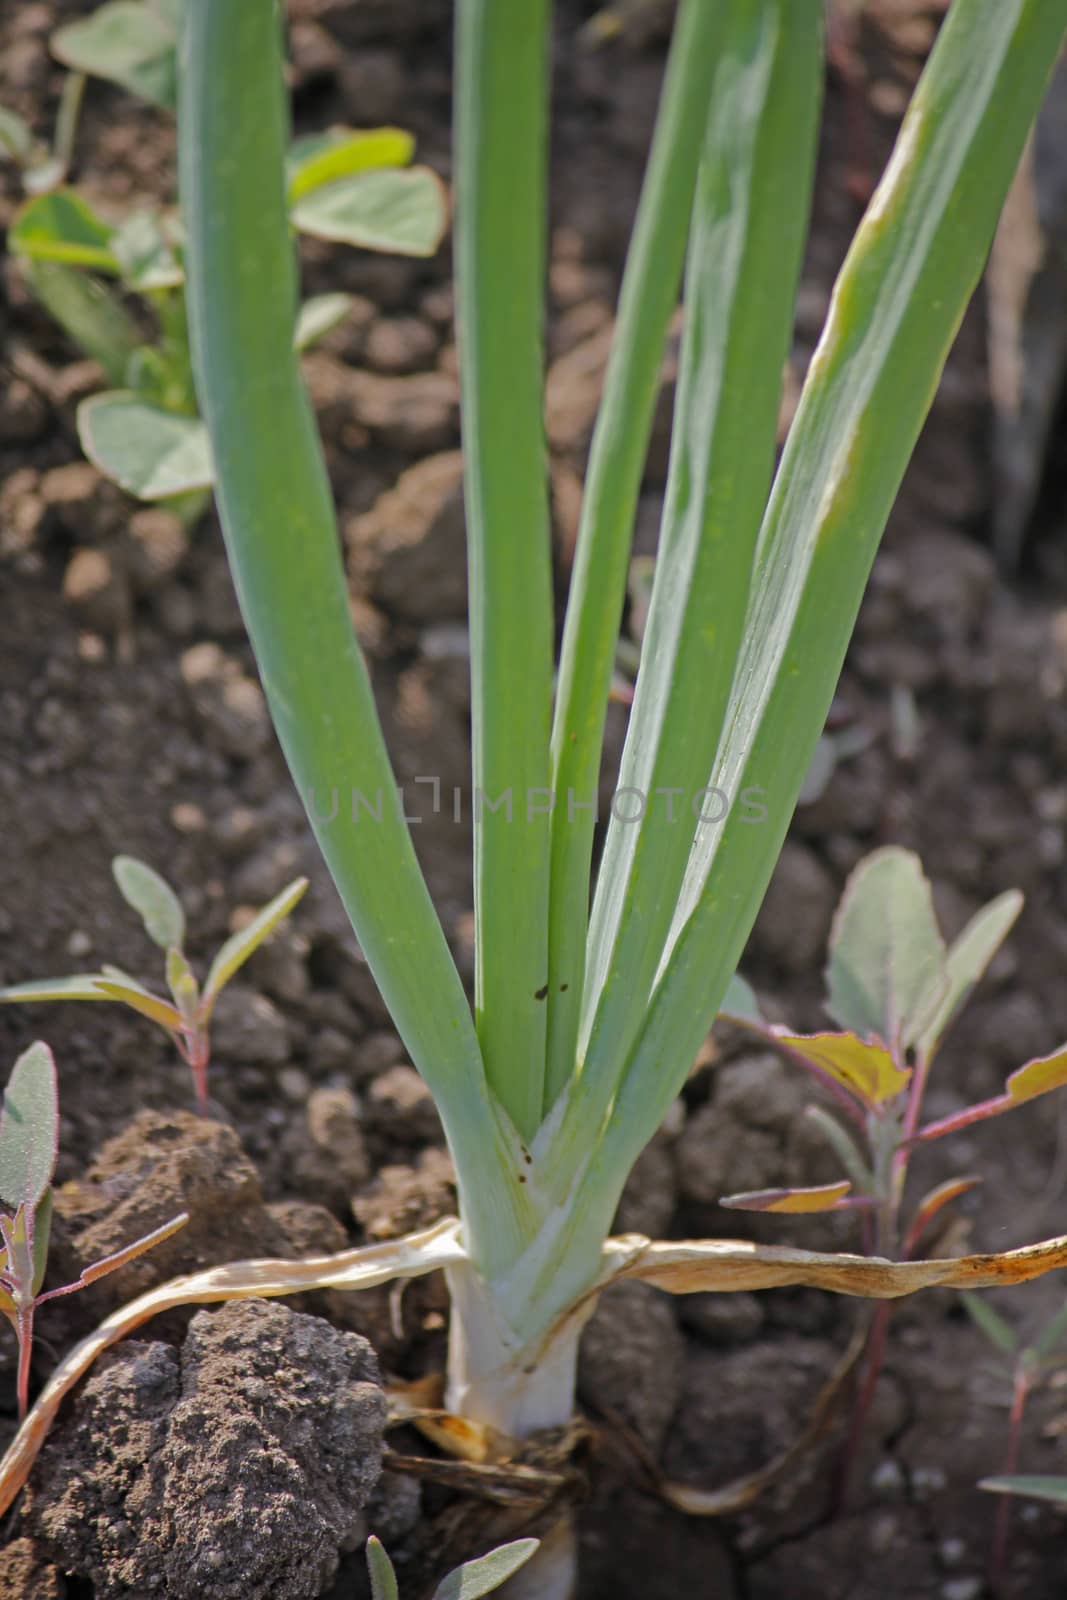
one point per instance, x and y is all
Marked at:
(651, 1191)
(794, 922)
(158, 546)
(230, 704)
(401, 1199)
(409, 551)
(631, 1360)
(23, 413)
(887, 1479)
(247, 1028)
(414, 415)
(334, 1125)
(722, 1319)
(97, 590)
(399, 345)
(962, 1588)
(238, 1468)
(401, 1107)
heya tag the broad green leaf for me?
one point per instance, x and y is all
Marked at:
(16, 138)
(475, 1578)
(42, 1233)
(911, 269)
(152, 897)
(602, 559)
(746, 246)
(29, 1128)
(79, 986)
(317, 316)
(401, 212)
(128, 43)
(795, 1202)
(341, 152)
(1038, 1077)
(865, 1068)
(739, 1003)
(997, 1330)
(147, 1004)
(280, 527)
(182, 985)
(886, 971)
(87, 311)
(146, 255)
(240, 945)
(61, 226)
(501, 146)
(843, 1145)
(968, 957)
(382, 1577)
(1034, 1486)
(150, 453)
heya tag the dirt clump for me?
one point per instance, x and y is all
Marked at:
(237, 1467)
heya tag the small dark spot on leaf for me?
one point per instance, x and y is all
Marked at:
(563, 988)
(522, 1177)
(540, 994)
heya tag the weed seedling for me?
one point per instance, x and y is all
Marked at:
(186, 1016)
(894, 987)
(1027, 1363)
(29, 1145)
(104, 283)
(468, 1582)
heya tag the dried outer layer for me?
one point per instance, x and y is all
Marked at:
(685, 1267)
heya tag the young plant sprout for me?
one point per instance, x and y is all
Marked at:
(1027, 1362)
(894, 987)
(29, 1144)
(467, 1582)
(356, 187)
(585, 1024)
(186, 1016)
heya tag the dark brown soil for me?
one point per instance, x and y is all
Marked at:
(130, 719)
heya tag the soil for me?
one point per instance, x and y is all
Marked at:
(132, 720)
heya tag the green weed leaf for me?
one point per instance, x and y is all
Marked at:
(79, 986)
(969, 956)
(29, 1128)
(16, 140)
(1034, 1486)
(382, 1577)
(886, 975)
(42, 1233)
(146, 254)
(153, 899)
(240, 945)
(317, 316)
(400, 212)
(61, 226)
(997, 1330)
(126, 42)
(147, 1005)
(341, 152)
(150, 453)
(739, 1003)
(480, 1577)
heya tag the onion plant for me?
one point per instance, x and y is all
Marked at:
(585, 1023)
